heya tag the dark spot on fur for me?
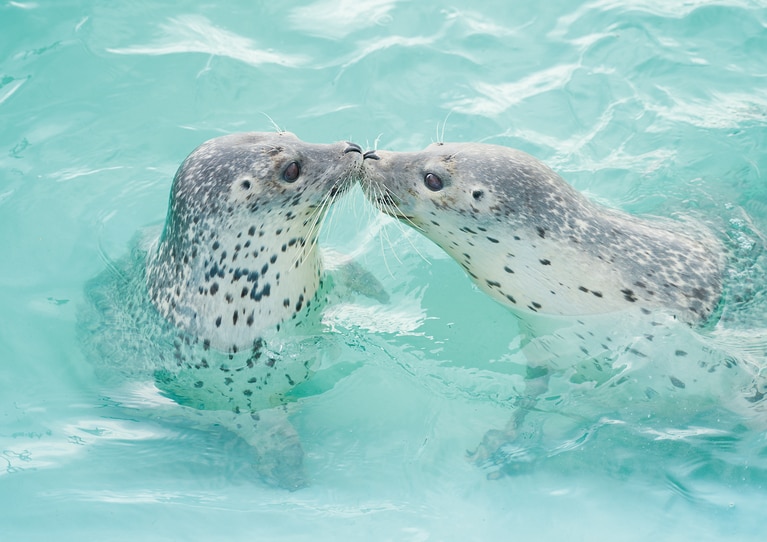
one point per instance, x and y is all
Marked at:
(218, 321)
(541, 233)
(545, 261)
(676, 382)
(492, 240)
(508, 269)
(511, 298)
(493, 284)
(699, 293)
(628, 295)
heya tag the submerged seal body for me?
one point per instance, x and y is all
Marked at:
(599, 293)
(535, 244)
(220, 309)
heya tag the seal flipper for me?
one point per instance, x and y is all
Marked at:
(275, 443)
(353, 276)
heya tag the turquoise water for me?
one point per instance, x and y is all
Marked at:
(652, 107)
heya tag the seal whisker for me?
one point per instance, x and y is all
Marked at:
(441, 134)
(274, 124)
(332, 208)
(315, 225)
(388, 207)
(395, 210)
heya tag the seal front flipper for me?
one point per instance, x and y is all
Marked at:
(353, 276)
(515, 448)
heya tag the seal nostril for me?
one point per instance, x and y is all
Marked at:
(353, 147)
(371, 155)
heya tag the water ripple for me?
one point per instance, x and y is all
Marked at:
(500, 97)
(337, 19)
(196, 34)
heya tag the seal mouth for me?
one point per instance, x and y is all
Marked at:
(388, 206)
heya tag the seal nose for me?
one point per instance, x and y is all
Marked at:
(371, 155)
(353, 147)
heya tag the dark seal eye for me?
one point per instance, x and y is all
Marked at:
(291, 172)
(245, 185)
(433, 182)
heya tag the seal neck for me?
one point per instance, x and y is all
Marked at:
(237, 285)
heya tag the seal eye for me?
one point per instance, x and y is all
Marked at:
(433, 182)
(291, 172)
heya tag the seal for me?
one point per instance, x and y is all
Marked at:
(532, 242)
(222, 309)
(598, 292)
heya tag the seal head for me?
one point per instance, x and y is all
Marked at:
(535, 244)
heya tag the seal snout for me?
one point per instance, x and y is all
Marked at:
(352, 147)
